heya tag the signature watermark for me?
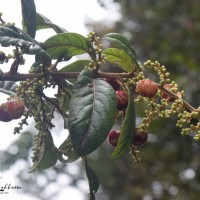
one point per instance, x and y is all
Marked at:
(7, 187)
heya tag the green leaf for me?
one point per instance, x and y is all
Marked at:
(76, 66)
(67, 149)
(91, 113)
(12, 36)
(63, 99)
(43, 22)
(47, 156)
(92, 179)
(66, 45)
(122, 43)
(120, 58)
(8, 87)
(29, 16)
(127, 130)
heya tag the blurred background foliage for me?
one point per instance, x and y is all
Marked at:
(167, 31)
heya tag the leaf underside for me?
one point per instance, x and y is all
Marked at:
(8, 87)
(127, 130)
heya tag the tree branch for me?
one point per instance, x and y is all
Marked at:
(59, 75)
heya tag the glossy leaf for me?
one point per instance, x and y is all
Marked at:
(12, 36)
(127, 131)
(67, 149)
(91, 113)
(43, 22)
(122, 43)
(29, 16)
(66, 45)
(92, 179)
(48, 155)
(76, 66)
(119, 57)
(8, 87)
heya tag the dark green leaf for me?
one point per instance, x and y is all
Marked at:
(63, 99)
(12, 36)
(127, 130)
(92, 180)
(120, 58)
(66, 149)
(8, 87)
(29, 16)
(64, 93)
(7, 31)
(91, 113)
(66, 45)
(122, 43)
(76, 66)
(48, 155)
(42, 23)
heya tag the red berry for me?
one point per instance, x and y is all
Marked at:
(12, 109)
(113, 82)
(164, 95)
(113, 138)
(15, 108)
(146, 88)
(3, 114)
(2, 56)
(122, 100)
(139, 138)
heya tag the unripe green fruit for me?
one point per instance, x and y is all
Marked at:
(12, 109)
(146, 88)
(122, 100)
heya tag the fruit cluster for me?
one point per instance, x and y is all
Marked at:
(138, 140)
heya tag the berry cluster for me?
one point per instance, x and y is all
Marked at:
(138, 140)
(165, 100)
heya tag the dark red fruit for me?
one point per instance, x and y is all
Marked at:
(140, 138)
(146, 88)
(12, 109)
(2, 56)
(15, 108)
(113, 82)
(122, 100)
(3, 114)
(113, 138)
(164, 95)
